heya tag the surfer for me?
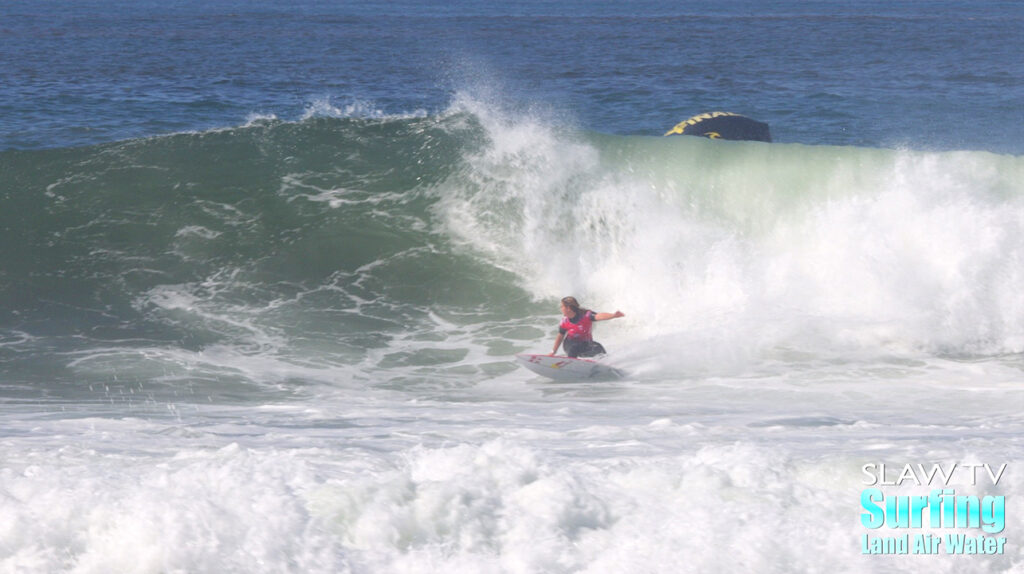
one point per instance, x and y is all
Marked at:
(575, 328)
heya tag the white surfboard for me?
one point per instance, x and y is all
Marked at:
(567, 368)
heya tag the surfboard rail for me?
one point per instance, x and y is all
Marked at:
(564, 368)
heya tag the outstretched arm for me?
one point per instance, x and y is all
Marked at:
(606, 316)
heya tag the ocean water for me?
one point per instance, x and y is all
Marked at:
(264, 266)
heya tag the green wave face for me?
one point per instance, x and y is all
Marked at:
(437, 246)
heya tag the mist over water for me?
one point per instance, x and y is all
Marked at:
(815, 248)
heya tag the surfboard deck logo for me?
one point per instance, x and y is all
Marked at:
(567, 368)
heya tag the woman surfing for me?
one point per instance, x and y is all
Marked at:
(575, 329)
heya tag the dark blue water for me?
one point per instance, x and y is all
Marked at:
(925, 75)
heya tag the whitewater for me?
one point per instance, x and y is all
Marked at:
(287, 347)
